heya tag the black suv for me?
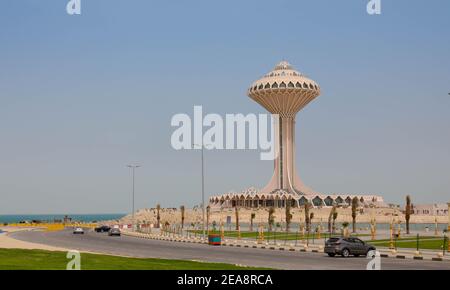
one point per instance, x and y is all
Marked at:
(102, 229)
(347, 246)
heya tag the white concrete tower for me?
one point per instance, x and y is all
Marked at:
(284, 91)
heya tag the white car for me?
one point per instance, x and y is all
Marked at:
(78, 231)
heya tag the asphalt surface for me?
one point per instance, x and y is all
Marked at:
(144, 248)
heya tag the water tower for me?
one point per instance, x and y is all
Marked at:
(284, 91)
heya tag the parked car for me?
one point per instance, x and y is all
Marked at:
(114, 232)
(78, 231)
(102, 229)
(347, 246)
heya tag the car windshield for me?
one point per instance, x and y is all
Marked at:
(333, 240)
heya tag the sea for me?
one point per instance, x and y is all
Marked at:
(52, 217)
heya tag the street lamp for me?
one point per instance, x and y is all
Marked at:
(133, 168)
(202, 146)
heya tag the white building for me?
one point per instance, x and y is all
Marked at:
(436, 209)
(252, 198)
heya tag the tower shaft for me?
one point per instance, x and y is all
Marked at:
(285, 174)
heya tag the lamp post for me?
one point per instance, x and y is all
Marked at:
(133, 168)
(391, 232)
(448, 212)
(445, 241)
(435, 226)
(202, 146)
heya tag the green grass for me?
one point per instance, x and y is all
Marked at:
(272, 235)
(18, 259)
(410, 239)
(428, 244)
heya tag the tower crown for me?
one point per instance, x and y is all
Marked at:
(284, 90)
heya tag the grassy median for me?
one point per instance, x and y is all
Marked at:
(280, 235)
(424, 244)
(18, 259)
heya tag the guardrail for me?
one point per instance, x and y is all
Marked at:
(51, 227)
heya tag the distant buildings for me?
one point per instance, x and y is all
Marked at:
(436, 209)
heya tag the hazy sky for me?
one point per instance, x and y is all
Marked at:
(82, 96)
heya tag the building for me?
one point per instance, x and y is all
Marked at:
(284, 92)
(435, 209)
(253, 198)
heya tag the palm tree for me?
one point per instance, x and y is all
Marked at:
(408, 213)
(271, 218)
(355, 203)
(311, 216)
(345, 229)
(288, 214)
(182, 209)
(330, 217)
(208, 212)
(236, 212)
(335, 215)
(307, 218)
(252, 217)
(158, 217)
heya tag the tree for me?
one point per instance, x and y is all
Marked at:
(330, 218)
(208, 213)
(182, 209)
(335, 215)
(408, 210)
(307, 216)
(288, 214)
(355, 204)
(311, 216)
(236, 213)
(271, 218)
(158, 217)
(252, 217)
(345, 229)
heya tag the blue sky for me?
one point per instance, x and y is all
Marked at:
(82, 96)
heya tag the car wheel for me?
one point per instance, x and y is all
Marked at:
(331, 254)
(368, 251)
(345, 253)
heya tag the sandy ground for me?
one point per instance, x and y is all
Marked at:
(6, 242)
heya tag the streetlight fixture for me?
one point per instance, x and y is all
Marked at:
(133, 168)
(202, 146)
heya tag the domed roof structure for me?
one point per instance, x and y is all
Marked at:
(284, 90)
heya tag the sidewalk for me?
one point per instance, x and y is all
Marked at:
(6, 242)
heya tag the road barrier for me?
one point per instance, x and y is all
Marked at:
(52, 227)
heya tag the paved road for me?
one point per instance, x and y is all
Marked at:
(136, 247)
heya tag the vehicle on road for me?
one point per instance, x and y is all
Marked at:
(114, 232)
(347, 246)
(78, 231)
(102, 229)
